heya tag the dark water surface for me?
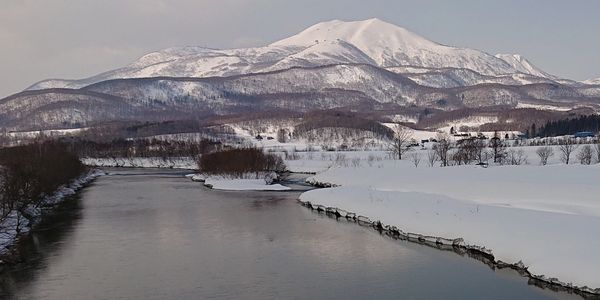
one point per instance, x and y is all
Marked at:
(143, 234)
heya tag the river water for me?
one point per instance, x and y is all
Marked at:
(151, 234)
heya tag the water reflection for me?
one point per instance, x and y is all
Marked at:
(42, 245)
(156, 236)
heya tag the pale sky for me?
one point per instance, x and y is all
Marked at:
(70, 39)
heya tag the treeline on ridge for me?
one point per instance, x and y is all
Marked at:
(570, 126)
(341, 120)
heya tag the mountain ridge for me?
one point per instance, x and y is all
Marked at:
(357, 87)
(364, 66)
(369, 41)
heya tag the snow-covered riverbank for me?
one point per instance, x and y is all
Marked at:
(250, 182)
(14, 225)
(545, 217)
(142, 162)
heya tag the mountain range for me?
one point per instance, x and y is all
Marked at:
(371, 65)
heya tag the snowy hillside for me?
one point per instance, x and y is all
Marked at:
(359, 87)
(594, 81)
(389, 45)
(335, 42)
(454, 77)
(521, 64)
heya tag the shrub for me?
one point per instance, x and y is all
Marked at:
(240, 161)
(544, 153)
(585, 155)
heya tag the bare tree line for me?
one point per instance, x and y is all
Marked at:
(480, 151)
(237, 162)
(28, 174)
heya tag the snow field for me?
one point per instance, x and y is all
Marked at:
(545, 217)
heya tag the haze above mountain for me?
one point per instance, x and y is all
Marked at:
(371, 41)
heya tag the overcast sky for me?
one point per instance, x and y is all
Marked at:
(42, 39)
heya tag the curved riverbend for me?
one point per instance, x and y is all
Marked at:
(148, 234)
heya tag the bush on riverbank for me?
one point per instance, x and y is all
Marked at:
(237, 162)
(28, 174)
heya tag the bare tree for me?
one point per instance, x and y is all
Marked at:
(597, 148)
(516, 157)
(442, 147)
(544, 154)
(432, 157)
(400, 141)
(585, 155)
(415, 157)
(463, 154)
(567, 147)
(498, 148)
(282, 135)
(3, 138)
(481, 154)
(469, 150)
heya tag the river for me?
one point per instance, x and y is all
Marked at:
(153, 234)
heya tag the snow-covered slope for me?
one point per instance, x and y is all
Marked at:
(454, 77)
(335, 42)
(594, 81)
(319, 54)
(358, 87)
(389, 45)
(522, 65)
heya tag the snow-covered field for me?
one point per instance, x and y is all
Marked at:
(547, 217)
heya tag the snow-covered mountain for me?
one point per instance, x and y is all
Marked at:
(594, 81)
(522, 65)
(454, 77)
(335, 42)
(356, 87)
(364, 66)
(389, 46)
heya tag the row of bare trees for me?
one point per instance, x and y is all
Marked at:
(128, 148)
(481, 151)
(28, 174)
(586, 154)
(237, 162)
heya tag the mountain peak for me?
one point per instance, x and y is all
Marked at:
(360, 33)
(378, 39)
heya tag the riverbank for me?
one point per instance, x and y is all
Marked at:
(248, 182)
(555, 218)
(14, 226)
(542, 220)
(186, 163)
(265, 182)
